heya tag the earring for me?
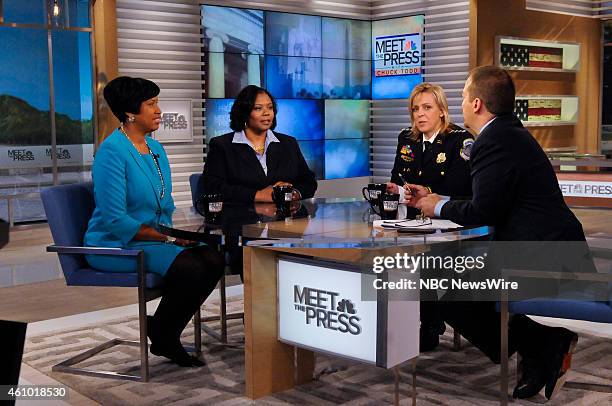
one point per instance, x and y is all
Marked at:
(131, 119)
(245, 125)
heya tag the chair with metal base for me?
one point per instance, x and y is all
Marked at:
(197, 189)
(68, 209)
(574, 309)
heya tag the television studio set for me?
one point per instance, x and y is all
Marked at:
(299, 202)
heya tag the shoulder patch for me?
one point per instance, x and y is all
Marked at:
(405, 132)
(466, 149)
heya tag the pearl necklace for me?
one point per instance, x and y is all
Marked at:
(159, 172)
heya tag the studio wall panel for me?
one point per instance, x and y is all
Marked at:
(162, 41)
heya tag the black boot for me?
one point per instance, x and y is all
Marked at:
(531, 379)
(171, 349)
(429, 335)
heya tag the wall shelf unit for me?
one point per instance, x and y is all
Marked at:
(536, 55)
(538, 110)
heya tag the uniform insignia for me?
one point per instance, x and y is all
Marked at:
(441, 158)
(439, 141)
(466, 149)
(406, 153)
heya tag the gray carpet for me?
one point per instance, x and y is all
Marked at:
(443, 377)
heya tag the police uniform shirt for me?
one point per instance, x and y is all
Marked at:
(443, 166)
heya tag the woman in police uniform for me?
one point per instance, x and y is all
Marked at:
(434, 153)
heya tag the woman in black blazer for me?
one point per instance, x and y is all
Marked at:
(246, 164)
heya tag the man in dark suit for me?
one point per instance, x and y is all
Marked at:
(515, 190)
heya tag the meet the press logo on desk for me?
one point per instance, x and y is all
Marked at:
(326, 309)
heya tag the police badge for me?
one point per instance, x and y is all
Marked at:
(441, 158)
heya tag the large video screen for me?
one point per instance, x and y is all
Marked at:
(293, 35)
(218, 117)
(346, 79)
(347, 119)
(314, 153)
(233, 30)
(396, 57)
(323, 72)
(293, 77)
(302, 119)
(346, 39)
(345, 158)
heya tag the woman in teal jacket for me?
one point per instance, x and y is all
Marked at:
(132, 191)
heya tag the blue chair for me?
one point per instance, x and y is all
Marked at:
(196, 186)
(68, 209)
(197, 189)
(586, 310)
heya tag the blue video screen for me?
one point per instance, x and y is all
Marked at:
(314, 153)
(394, 87)
(346, 39)
(346, 158)
(218, 117)
(244, 27)
(293, 77)
(346, 79)
(293, 34)
(233, 73)
(347, 119)
(323, 72)
(302, 119)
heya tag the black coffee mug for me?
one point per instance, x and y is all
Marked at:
(282, 195)
(373, 191)
(210, 205)
(387, 205)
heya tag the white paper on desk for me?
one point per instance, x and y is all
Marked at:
(436, 224)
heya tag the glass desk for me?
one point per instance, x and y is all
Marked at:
(337, 231)
(313, 223)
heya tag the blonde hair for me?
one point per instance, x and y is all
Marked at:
(438, 93)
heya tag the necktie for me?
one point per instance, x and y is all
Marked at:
(427, 147)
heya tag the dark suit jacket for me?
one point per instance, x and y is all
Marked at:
(514, 188)
(233, 169)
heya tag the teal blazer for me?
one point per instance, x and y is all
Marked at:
(127, 192)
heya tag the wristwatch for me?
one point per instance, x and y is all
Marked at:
(170, 240)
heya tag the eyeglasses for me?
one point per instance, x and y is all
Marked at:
(422, 220)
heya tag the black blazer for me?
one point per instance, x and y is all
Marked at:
(233, 169)
(514, 188)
